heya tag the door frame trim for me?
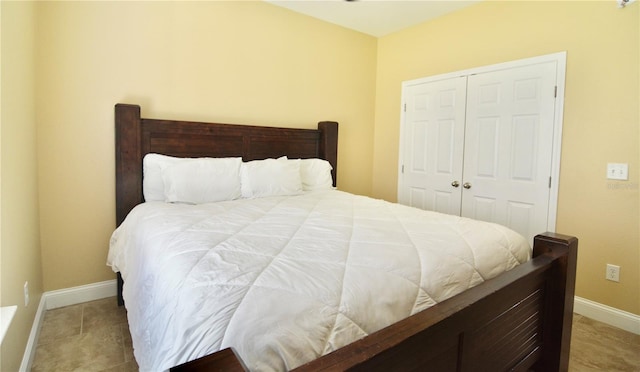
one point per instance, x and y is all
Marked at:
(556, 151)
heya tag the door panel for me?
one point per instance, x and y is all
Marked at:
(524, 147)
(481, 208)
(433, 137)
(508, 146)
(485, 152)
(520, 215)
(417, 197)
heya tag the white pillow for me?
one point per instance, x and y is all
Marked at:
(316, 174)
(270, 177)
(202, 180)
(152, 183)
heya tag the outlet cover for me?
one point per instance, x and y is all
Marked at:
(618, 171)
(613, 273)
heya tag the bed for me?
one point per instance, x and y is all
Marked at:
(519, 319)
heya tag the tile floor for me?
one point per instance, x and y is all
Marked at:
(596, 346)
(94, 336)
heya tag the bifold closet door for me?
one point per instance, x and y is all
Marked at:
(432, 145)
(508, 147)
(481, 145)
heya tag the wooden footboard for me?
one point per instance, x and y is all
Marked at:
(520, 320)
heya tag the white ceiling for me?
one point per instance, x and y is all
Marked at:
(374, 17)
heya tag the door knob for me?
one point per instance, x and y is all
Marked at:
(466, 185)
(455, 183)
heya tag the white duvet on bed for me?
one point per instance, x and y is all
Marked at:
(284, 280)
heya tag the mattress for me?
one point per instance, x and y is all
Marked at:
(284, 280)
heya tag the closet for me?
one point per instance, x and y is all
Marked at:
(485, 143)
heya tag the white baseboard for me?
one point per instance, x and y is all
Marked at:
(32, 342)
(60, 298)
(83, 293)
(607, 314)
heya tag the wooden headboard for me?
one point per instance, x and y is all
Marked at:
(136, 137)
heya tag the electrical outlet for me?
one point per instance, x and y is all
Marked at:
(613, 273)
(618, 171)
(26, 294)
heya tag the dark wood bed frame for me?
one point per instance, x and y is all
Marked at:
(520, 320)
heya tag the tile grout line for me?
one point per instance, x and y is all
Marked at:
(82, 319)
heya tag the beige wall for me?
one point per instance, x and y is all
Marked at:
(239, 62)
(601, 115)
(20, 244)
(255, 63)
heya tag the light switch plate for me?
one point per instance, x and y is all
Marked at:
(618, 171)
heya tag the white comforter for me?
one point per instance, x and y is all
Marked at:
(284, 280)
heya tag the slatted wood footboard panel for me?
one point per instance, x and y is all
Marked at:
(510, 339)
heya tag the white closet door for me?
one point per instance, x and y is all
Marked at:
(508, 147)
(432, 142)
